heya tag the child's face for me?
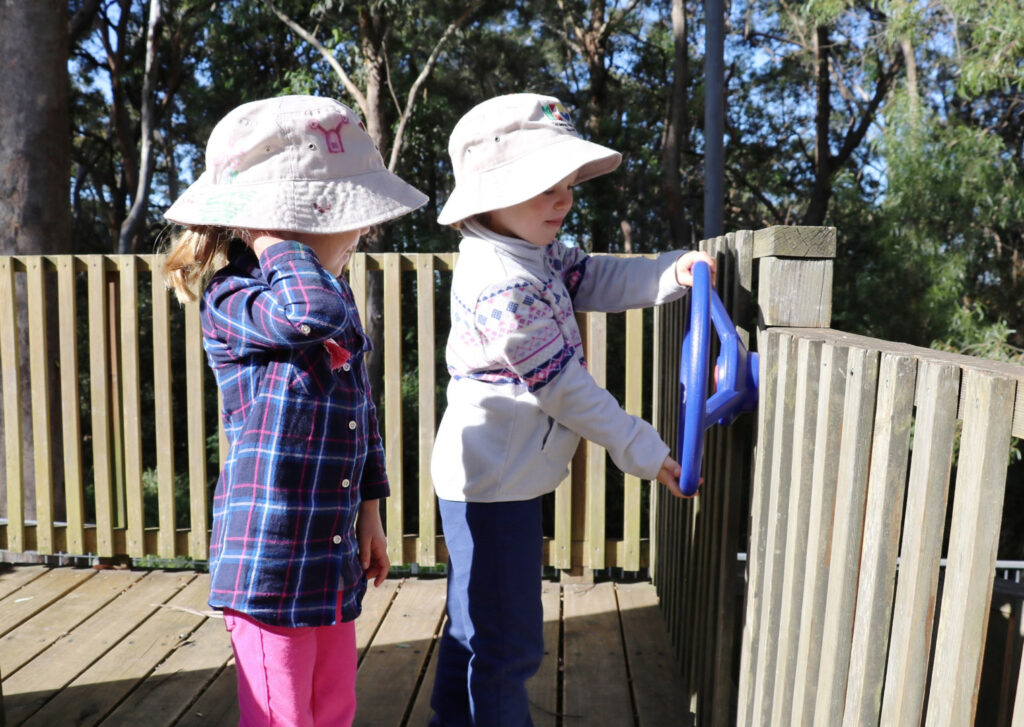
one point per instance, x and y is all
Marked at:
(539, 218)
(335, 249)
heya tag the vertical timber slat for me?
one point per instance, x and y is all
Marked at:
(99, 399)
(938, 395)
(594, 530)
(427, 551)
(971, 554)
(163, 410)
(39, 392)
(131, 401)
(74, 493)
(883, 514)
(634, 405)
(769, 345)
(393, 405)
(805, 425)
(776, 517)
(829, 427)
(737, 471)
(9, 359)
(847, 532)
(195, 365)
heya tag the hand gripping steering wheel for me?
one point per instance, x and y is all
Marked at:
(736, 376)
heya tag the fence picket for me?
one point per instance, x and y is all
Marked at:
(847, 531)
(163, 410)
(795, 548)
(824, 477)
(100, 405)
(775, 518)
(923, 526)
(971, 555)
(769, 345)
(39, 394)
(13, 447)
(131, 401)
(74, 495)
(890, 443)
(426, 552)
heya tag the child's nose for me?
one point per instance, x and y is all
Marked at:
(564, 200)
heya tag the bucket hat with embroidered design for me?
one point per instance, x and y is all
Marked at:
(293, 163)
(511, 148)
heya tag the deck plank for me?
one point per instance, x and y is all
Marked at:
(178, 680)
(21, 645)
(596, 686)
(543, 687)
(96, 691)
(140, 648)
(38, 594)
(41, 679)
(218, 705)
(17, 576)
(398, 653)
(376, 603)
(655, 676)
(421, 711)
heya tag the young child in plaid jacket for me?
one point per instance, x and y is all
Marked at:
(290, 186)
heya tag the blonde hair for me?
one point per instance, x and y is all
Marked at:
(194, 253)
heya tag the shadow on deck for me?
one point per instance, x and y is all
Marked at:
(80, 646)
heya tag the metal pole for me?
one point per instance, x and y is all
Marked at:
(714, 116)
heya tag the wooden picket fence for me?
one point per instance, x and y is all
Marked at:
(127, 408)
(841, 497)
(839, 490)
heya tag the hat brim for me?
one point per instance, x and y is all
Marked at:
(316, 207)
(526, 177)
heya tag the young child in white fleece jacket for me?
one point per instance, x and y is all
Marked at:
(520, 396)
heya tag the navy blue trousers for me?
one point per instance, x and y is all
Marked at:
(493, 640)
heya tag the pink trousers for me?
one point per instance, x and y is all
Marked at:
(294, 677)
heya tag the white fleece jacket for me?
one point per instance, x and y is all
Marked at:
(520, 396)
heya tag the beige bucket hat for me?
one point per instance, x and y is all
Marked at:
(293, 163)
(511, 148)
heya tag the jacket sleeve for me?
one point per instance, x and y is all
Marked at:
(299, 304)
(612, 284)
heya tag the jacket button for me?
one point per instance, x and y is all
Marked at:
(352, 424)
(305, 329)
(346, 482)
(336, 539)
(346, 367)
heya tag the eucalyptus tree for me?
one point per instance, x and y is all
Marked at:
(34, 215)
(954, 203)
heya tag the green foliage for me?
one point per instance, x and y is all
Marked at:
(929, 205)
(990, 38)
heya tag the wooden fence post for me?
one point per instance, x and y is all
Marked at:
(795, 276)
(794, 289)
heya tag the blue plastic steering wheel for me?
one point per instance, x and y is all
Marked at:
(736, 376)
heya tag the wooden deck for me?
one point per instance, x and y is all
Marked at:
(81, 646)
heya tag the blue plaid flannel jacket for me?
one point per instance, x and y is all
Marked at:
(304, 443)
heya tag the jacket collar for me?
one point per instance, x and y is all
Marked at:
(525, 252)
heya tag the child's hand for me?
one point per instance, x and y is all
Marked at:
(684, 267)
(669, 476)
(373, 543)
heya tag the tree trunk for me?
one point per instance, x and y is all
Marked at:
(35, 162)
(817, 206)
(373, 25)
(676, 133)
(140, 203)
